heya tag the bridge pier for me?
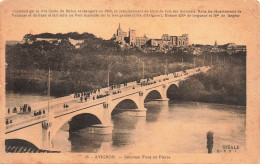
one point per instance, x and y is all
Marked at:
(101, 129)
(140, 112)
(104, 128)
(164, 101)
(47, 132)
(46, 136)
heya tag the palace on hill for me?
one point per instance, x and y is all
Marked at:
(166, 40)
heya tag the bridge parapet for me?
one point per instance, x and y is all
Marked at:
(133, 83)
(29, 121)
(80, 106)
(56, 101)
(104, 90)
(171, 75)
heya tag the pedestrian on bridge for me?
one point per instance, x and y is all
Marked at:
(29, 109)
(210, 141)
(8, 110)
(14, 110)
(24, 109)
(81, 98)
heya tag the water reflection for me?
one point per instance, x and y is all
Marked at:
(124, 127)
(153, 112)
(89, 143)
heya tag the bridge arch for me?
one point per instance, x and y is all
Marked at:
(152, 95)
(126, 104)
(172, 91)
(90, 116)
(20, 143)
(83, 120)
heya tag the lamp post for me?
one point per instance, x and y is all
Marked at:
(182, 64)
(49, 89)
(108, 72)
(204, 61)
(194, 63)
(210, 60)
(143, 69)
(108, 75)
(166, 67)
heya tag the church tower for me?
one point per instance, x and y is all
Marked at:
(132, 37)
(216, 44)
(120, 35)
(119, 31)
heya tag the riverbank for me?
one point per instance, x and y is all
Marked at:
(225, 83)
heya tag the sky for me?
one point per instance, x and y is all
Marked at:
(200, 30)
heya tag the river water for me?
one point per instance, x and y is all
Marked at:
(179, 127)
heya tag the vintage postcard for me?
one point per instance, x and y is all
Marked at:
(112, 81)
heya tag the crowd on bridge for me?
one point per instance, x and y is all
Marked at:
(96, 93)
(113, 89)
(23, 109)
(150, 81)
(39, 112)
(7, 121)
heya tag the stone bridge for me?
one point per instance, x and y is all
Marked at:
(40, 130)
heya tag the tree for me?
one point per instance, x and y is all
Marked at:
(191, 89)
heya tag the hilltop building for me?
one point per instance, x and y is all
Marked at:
(75, 42)
(233, 48)
(131, 39)
(134, 41)
(216, 44)
(172, 41)
(12, 42)
(49, 40)
(120, 35)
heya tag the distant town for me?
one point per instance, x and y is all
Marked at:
(167, 43)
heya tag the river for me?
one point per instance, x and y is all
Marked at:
(179, 127)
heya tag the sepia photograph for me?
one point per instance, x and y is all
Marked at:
(129, 81)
